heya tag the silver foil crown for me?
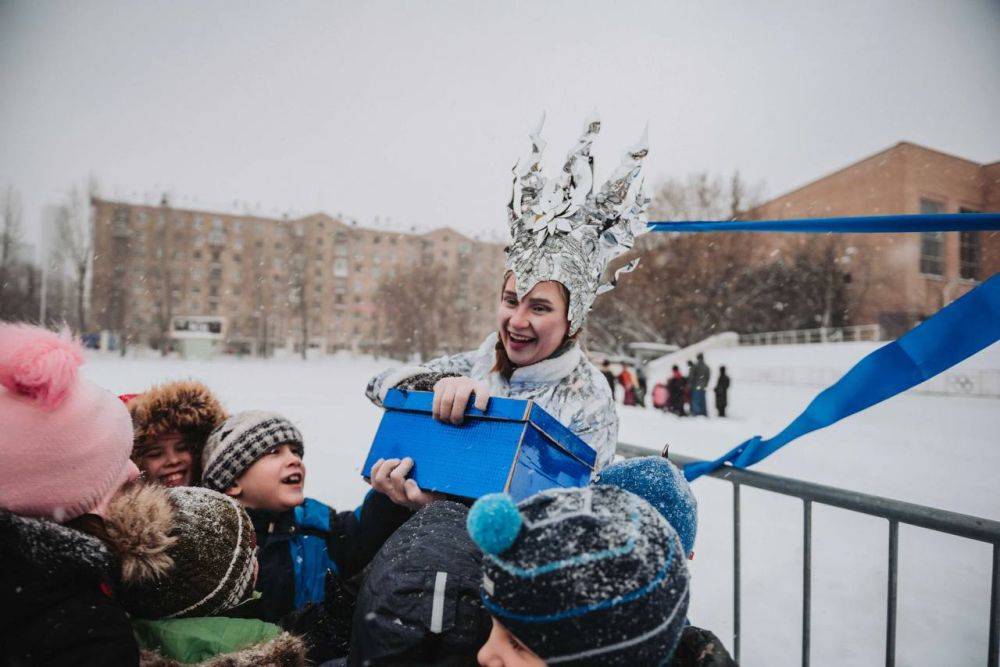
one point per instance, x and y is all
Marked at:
(562, 230)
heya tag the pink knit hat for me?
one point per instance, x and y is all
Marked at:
(64, 442)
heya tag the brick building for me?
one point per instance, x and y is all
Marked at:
(897, 280)
(268, 276)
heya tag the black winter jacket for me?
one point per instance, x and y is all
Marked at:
(701, 648)
(397, 621)
(56, 600)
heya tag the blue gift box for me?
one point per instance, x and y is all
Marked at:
(513, 446)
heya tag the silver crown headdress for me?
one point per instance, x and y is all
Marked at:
(562, 230)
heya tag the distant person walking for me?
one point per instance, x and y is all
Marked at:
(660, 396)
(675, 392)
(700, 375)
(722, 391)
(640, 386)
(688, 383)
(608, 375)
(628, 385)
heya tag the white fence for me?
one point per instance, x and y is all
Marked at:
(858, 332)
(981, 382)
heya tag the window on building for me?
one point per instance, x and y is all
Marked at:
(931, 243)
(340, 267)
(969, 251)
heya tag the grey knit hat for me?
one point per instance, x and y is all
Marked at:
(238, 442)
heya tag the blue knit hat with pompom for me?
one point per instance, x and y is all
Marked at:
(661, 484)
(589, 576)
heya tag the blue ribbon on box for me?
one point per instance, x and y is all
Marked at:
(872, 224)
(956, 332)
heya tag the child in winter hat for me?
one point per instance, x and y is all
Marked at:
(187, 560)
(236, 447)
(171, 422)
(255, 457)
(65, 442)
(589, 576)
(660, 483)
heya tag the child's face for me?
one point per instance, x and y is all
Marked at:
(274, 482)
(503, 649)
(168, 461)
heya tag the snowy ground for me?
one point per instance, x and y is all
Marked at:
(935, 450)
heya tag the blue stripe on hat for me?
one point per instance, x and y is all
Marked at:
(660, 577)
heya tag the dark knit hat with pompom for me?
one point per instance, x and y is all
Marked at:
(185, 551)
(591, 576)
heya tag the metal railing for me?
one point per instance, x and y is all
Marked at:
(894, 511)
(857, 332)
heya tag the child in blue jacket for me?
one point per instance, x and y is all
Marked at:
(256, 458)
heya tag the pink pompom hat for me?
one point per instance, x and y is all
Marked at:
(64, 441)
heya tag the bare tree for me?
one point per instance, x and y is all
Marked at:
(422, 311)
(162, 275)
(18, 276)
(299, 283)
(74, 226)
(684, 287)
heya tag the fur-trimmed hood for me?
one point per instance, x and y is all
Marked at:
(139, 522)
(186, 406)
(285, 650)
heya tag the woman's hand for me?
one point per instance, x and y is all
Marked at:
(389, 477)
(451, 397)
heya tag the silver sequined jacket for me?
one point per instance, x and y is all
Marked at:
(567, 386)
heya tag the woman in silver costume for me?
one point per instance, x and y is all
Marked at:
(563, 237)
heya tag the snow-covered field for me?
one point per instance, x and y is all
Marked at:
(936, 450)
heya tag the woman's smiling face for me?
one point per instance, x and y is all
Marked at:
(534, 327)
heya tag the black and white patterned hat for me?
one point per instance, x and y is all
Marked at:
(239, 441)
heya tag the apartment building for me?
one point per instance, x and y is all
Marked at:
(269, 279)
(897, 280)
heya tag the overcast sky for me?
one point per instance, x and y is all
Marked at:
(416, 111)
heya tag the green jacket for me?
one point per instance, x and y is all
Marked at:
(202, 640)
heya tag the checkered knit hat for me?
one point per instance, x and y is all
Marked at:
(590, 576)
(184, 551)
(239, 441)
